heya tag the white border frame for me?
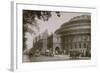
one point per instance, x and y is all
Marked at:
(16, 59)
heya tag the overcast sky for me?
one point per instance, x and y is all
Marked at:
(55, 22)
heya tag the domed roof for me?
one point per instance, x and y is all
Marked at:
(77, 19)
(82, 17)
(76, 23)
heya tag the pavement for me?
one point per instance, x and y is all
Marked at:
(51, 58)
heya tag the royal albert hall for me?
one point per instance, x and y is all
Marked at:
(76, 35)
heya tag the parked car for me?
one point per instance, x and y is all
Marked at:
(49, 53)
(74, 54)
(37, 53)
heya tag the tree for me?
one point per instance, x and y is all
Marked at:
(30, 19)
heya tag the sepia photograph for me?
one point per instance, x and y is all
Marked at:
(55, 36)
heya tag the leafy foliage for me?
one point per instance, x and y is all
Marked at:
(29, 19)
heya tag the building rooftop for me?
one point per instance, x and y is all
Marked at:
(76, 23)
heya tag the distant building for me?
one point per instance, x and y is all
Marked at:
(54, 43)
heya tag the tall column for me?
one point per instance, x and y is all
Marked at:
(45, 36)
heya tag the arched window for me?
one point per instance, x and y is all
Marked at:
(75, 45)
(71, 45)
(84, 45)
(79, 45)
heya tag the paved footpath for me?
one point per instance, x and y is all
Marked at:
(55, 58)
(51, 58)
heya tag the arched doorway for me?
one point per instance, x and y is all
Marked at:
(57, 51)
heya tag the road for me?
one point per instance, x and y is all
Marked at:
(51, 58)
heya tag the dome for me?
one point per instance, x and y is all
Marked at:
(82, 17)
(76, 25)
